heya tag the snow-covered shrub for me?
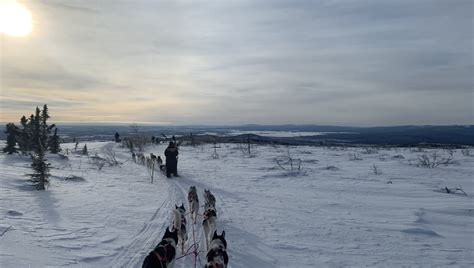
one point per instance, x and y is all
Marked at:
(110, 157)
(451, 152)
(289, 164)
(311, 161)
(398, 156)
(370, 150)
(333, 168)
(74, 178)
(466, 152)
(97, 161)
(336, 148)
(355, 157)
(63, 156)
(417, 150)
(455, 190)
(376, 170)
(434, 160)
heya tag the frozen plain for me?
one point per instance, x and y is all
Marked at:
(334, 212)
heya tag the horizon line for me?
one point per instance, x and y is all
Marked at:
(169, 124)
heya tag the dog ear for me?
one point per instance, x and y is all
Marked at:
(215, 234)
(182, 206)
(223, 234)
(176, 206)
(166, 234)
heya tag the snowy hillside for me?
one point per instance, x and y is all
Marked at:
(344, 207)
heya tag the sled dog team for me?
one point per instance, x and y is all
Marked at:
(150, 162)
(164, 253)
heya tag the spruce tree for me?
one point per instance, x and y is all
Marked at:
(45, 129)
(29, 132)
(84, 150)
(40, 174)
(24, 121)
(22, 137)
(36, 129)
(11, 130)
(54, 146)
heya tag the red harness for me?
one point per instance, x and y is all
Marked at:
(162, 258)
(159, 257)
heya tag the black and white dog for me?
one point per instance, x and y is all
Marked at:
(209, 199)
(179, 224)
(217, 255)
(164, 253)
(193, 203)
(209, 223)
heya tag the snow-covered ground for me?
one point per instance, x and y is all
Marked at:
(335, 212)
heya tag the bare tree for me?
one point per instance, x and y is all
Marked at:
(215, 155)
(137, 139)
(110, 157)
(245, 147)
(289, 163)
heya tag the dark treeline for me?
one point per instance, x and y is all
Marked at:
(459, 135)
(32, 133)
(34, 136)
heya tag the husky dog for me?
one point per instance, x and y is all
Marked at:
(193, 203)
(209, 224)
(164, 253)
(140, 159)
(217, 255)
(179, 224)
(209, 199)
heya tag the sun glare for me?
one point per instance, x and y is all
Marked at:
(15, 18)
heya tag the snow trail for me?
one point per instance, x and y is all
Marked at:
(146, 239)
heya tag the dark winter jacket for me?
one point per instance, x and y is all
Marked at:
(171, 154)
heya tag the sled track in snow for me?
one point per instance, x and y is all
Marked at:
(143, 242)
(147, 238)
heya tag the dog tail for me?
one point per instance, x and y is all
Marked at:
(177, 220)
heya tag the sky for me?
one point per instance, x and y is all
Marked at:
(338, 62)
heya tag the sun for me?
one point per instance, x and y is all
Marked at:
(15, 18)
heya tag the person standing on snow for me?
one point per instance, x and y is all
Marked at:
(171, 154)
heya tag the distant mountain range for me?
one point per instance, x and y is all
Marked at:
(302, 134)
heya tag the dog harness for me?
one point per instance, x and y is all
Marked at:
(165, 245)
(215, 253)
(209, 213)
(192, 196)
(161, 259)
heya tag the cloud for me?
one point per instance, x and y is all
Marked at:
(361, 62)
